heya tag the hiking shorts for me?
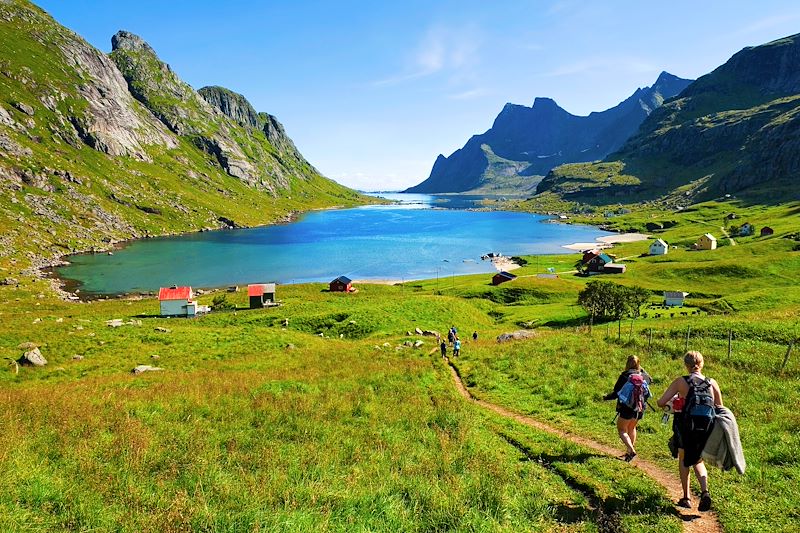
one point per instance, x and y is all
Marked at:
(626, 413)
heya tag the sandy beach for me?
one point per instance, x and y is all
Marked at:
(504, 264)
(607, 242)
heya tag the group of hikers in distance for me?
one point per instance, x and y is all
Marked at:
(702, 428)
(452, 338)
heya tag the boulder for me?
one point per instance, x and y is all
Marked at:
(141, 369)
(418, 344)
(77, 358)
(516, 335)
(32, 357)
(430, 333)
(418, 331)
(163, 330)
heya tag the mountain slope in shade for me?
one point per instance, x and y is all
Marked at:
(97, 148)
(734, 130)
(529, 141)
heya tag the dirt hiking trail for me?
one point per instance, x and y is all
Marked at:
(693, 521)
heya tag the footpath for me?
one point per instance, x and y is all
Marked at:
(693, 521)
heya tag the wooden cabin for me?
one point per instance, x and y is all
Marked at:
(177, 301)
(674, 298)
(502, 277)
(706, 242)
(341, 284)
(261, 294)
(659, 247)
(766, 231)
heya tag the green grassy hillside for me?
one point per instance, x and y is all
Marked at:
(83, 162)
(319, 414)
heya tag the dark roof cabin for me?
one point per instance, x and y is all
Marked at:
(260, 294)
(766, 230)
(341, 284)
(502, 277)
(614, 268)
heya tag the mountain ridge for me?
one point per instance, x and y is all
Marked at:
(529, 141)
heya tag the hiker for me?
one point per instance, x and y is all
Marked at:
(474, 335)
(694, 399)
(457, 348)
(451, 337)
(631, 392)
(443, 348)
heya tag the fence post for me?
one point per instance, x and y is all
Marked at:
(730, 337)
(788, 352)
(688, 331)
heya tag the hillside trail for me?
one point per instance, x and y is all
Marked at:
(693, 521)
(727, 236)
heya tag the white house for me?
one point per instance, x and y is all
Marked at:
(706, 242)
(659, 247)
(674, 299)
(177, 301)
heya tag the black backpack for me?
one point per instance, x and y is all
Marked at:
(698, 410)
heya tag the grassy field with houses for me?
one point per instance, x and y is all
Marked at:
(318, 415)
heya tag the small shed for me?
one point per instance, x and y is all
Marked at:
(746, 229)
(659, 247)
(674, 299)
(260, 294)
(614, 268)
(706, 242)
(502, 277)
(177, 301)
(341, 284)
(766, 231)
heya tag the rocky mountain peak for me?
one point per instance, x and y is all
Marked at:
(125, 40)
(231, 104)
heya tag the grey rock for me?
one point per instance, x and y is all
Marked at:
(25, 108)
(77, 358)
(162, 329)
(33, 357)
(418, 331)
(141, 369)
(418, 344)
(9, 281)
(516, 335)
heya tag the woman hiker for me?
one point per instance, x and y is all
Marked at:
(696, 395)
(629, 417)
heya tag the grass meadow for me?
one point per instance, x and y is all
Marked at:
(318, 415)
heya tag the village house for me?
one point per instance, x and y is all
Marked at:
(674, 299)
(746, 229)
(595, 260)
(706, 242)
(177, 301)
(502, 277)
(261, 294)
(659, 247)
(766, 231)
(341, 284)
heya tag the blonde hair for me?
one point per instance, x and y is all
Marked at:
(693, 361)
(632, 362)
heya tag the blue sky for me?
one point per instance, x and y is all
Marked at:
(372, 92)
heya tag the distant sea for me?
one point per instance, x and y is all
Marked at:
(423, 236)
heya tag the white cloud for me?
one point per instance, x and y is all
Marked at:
(622, 64)
(468, 94)
(441, 50)
(768, 23)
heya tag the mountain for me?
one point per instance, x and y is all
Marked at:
(529, 141)
(96, 148)
(735, 130)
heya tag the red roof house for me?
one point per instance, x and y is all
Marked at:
(177, 301)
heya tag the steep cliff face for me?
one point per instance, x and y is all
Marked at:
(733, 129)
(529, 141)
(91, 153)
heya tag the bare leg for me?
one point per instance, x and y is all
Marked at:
(702, 475)
(622, 429)
(632, 431)
(684, 471)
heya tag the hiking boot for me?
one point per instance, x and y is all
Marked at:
(686, 503)
(629, 457)
(705, 502)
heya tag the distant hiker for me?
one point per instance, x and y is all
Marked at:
(443, 348)
(693, 424)
(474, 335)
(631, 392)
(456, 348)
(451, 336)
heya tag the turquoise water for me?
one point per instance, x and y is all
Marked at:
(408, 241)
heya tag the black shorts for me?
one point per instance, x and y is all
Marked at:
(626, 413)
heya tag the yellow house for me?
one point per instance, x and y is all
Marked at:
(706, 242)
